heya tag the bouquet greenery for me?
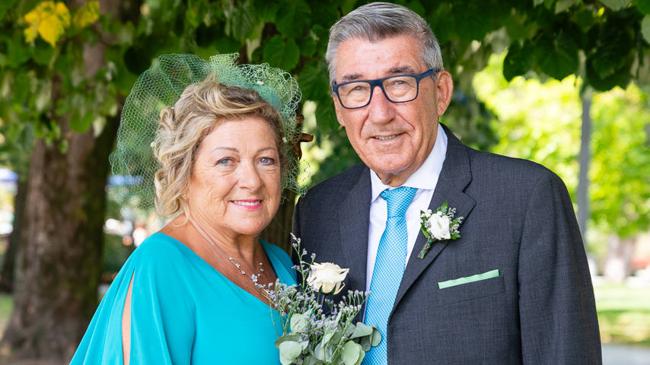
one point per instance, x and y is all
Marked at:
(315, 329)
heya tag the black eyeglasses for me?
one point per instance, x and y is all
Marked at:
(398, 89)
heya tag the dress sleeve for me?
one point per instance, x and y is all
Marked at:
(162, 313)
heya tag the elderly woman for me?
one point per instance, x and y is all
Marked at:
(192, 293)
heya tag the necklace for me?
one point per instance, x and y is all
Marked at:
(218, 251)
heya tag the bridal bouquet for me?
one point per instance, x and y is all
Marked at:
(315, 329)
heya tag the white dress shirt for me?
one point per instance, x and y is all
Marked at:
(425, 180)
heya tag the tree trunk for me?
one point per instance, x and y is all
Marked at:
(59, 262)
(9, 261)
(585, 158)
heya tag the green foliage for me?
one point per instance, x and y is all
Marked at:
(643, 6)
(603, 41)
(619, 190)
(608, 38)
(541, 122)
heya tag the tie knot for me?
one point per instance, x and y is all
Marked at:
(398, 200)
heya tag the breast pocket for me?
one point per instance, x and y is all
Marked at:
(471, 290)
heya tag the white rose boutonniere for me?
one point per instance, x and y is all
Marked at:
(327, 278)
(437, 226)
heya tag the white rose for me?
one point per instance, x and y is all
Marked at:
(327, 277)
(439, 226)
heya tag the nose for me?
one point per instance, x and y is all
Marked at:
(380, 109)
(249, 176)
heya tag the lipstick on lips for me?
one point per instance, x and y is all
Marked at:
(248, 204)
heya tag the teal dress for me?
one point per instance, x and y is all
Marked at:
(183, 311)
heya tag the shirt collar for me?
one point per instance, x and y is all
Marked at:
(426, 177)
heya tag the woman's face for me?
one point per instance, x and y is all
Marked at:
(235, 184)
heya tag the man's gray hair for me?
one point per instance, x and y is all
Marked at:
(376, 21)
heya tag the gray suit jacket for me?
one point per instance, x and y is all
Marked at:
(518, 220)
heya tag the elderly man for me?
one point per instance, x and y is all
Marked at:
(500, 275)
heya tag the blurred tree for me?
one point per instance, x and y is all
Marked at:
(66, 67)
(541, 122)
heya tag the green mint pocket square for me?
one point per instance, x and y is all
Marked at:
(468, 279)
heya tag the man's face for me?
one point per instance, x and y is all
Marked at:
(392, 139)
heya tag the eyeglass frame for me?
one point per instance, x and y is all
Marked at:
(380, 82)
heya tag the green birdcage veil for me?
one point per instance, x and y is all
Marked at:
(162, 85)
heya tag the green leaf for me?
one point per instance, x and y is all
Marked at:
(562, 57)
(616, 5)
(18, 52)
(299, 322)
(619, 77)
(475, 21)
(289, 351)
(308, 45)
(352, 353)
(518, 60)
(21, 87)
(564, 5)
(81, 123)
(361, 330)
(226, 44)
(584, 19)
(376, 337)
(417, 7)
(43, 54)
(314, 82)
(645, 28)
(294, 19)
(643, 6)
(6, 5)
(281, 53)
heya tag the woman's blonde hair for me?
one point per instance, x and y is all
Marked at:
(182, 128)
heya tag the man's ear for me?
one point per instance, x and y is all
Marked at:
(444, 91)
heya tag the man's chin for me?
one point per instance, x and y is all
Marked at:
(391, 174)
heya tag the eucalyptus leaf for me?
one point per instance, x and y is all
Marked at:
(352, 353)
(299, 322)
(294, 337)
(361, 330)
(365, 342)
(319, 351)
(289, 351)
(376, 337)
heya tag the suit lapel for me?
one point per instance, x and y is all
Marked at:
(454, 177)
(354, 218)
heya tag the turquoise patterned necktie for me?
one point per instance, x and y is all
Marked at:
(388, 270)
